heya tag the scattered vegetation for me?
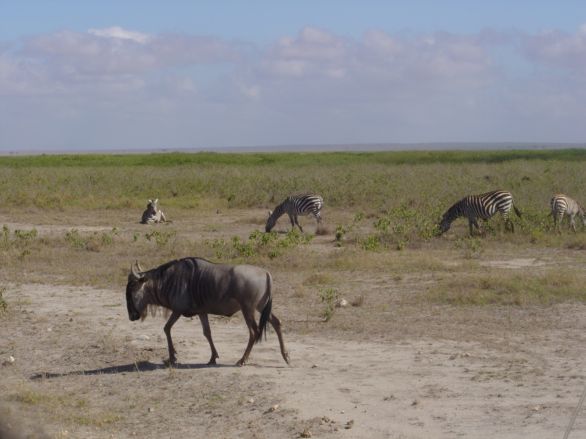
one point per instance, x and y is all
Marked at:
(259, 244)
(3, 304)
(515, 288)
(328, 297)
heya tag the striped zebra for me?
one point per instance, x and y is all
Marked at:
(482, 206)
(296, 205)
(562, 204)
(153, 214)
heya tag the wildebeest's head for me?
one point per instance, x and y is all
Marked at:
(271, 221)
(137, 306)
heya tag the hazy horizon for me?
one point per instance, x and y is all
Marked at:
(144, 76)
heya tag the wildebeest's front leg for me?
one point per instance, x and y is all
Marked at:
(174, 317)
(276, 324)
(207, 332)
(252, 334)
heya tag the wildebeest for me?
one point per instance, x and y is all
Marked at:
(195, 286)
(152, 213)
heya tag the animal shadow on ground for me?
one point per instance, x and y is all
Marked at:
(141, 366)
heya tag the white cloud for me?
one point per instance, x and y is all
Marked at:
(123, 34)
(312, 87)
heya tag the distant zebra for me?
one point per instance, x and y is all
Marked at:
(296, 205)
(153, 214)
(482, 206)
(562, 204)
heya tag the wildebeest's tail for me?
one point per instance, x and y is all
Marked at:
(517, 211)
(265, 314)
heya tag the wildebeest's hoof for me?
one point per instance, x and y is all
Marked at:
(170, 362)
(241, 362)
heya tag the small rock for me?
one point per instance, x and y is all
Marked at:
(143, 337)
(305, 433)
(342, 303)
(49, 329)
(313, 366)
(349, 424)
(151, 409)
(251, 400)
(414, 403)
(273, 408)
(11, 359)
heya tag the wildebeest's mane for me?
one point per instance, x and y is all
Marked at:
(179, 274)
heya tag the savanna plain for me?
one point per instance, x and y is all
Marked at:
(393, 331)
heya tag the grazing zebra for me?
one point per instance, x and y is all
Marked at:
(482, 206)
(562, 204)
(153, 214)
(296, 205)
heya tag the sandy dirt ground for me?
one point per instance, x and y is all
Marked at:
(82, 369)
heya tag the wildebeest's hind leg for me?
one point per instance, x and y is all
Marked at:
(253, 334)
(276, 324)
(174, 317)
(207, 332)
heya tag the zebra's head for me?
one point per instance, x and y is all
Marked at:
(444, 224)
(271, 221)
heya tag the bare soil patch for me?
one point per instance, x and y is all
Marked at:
(389, 368)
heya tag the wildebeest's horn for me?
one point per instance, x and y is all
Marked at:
(136, 271)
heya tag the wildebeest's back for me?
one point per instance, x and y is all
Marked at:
(195, 285)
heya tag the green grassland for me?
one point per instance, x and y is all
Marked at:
(374, 181)
(381, 211)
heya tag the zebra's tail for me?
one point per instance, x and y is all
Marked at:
(517, 211)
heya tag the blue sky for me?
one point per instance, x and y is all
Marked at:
(183, 74)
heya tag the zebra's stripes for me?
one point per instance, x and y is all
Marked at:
(153, 214)
(294, 206)
(482, 206)
(563, 205)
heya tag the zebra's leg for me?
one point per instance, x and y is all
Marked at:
(472, 223)
(557, 219)
(318, 219)
(292, 219)
(297, 222)
(573, 223)
(509, 226)
(207, 332)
